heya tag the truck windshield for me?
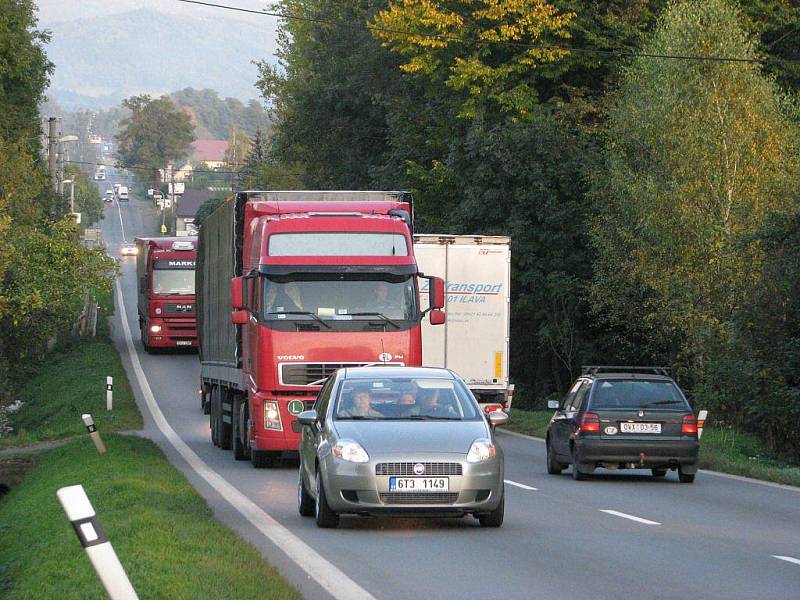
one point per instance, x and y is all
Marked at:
(340, 299)
(173, 281)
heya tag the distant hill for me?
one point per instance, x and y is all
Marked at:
(101, 60)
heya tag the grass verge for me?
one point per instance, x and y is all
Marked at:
(721, 449)
(162, 530)
(70, 383)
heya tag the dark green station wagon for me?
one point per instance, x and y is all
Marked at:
(623, 418)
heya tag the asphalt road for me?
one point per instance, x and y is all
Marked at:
(717, 538)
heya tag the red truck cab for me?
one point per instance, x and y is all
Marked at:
(322, 284)
(165, 269)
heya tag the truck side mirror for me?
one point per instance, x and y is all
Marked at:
(436, 292)
(237, 293)
(240, 317)
(437, 317)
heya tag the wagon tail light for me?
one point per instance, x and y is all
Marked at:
(590, 423)
(689, 426)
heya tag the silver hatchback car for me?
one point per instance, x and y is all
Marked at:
(406, 441)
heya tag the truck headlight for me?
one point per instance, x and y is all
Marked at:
(350, 451)
(155, 328)
(272, 416)
(481, 449)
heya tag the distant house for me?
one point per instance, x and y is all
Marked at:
(210, 152)
(184, 173)
(188, 204)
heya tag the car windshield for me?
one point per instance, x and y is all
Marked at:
(342, 299)
(405, 399)
(173, 281)
(636, 394)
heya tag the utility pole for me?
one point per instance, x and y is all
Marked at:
(51, 152)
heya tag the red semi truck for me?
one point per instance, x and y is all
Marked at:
(165, 279)
(292, 286)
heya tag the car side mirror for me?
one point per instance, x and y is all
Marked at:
(437, 317)
(497, 418)
(308, 417)
(553, 404)
(240, 317)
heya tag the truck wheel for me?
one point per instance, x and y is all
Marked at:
(144, 338)
(553, 466)
(220, 431)
(658, 472)
(239, 447)
(494, 518)
(264, 459)
(305, 503)
(325, 517)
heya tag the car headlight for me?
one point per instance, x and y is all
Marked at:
(155, 328)
(272, 416)
(481, 449)
(350, 451)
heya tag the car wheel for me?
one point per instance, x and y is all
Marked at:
(264, 459)
(553, 466)
(685, 477)
(494, 518)
(305, 503)
(326, 518)
(577, 473)
(658, 472)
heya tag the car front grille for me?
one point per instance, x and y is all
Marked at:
(316, 373)
(407, 468)
(419, 497)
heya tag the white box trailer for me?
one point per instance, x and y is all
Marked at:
(474, 341)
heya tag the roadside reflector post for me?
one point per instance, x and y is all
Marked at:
(109, 392)
(701, 422)
(98, 548)
(93, 433)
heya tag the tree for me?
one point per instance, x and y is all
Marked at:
(88, 201)
(484, 49)
(155, 132)
(699, 154)
(24, 72)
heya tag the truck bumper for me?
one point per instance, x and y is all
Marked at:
(275, 440)
(181, 334)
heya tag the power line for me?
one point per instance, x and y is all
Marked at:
(623, 53)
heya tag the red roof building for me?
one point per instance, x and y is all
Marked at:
(211, 152)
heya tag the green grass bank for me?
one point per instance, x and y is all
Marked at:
(721, 449)
(162, 530)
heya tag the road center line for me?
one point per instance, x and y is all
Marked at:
(520, 485)
(121, 224)
(790, 559)
(334, 581)
(627, 516)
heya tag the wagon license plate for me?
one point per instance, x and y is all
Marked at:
(640, 427)
(183, 343)
(419, 484)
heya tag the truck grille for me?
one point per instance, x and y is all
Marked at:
(316, 373)
(419, 497)
(407, 468)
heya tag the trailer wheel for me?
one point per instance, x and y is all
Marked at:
(237, 430)
(220, 431)
(223, 428)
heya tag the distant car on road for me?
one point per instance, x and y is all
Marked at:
(150, 192)
(623, 418)
(408, 441)
(128, 249)
(122, 193)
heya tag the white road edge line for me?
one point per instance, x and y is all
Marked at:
(627, 516)
(790, 559)
(779, 486)
(520, 485)
(334, 581)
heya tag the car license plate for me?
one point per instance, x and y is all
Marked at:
(640, 427)
(183, 343)
(419, 484)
